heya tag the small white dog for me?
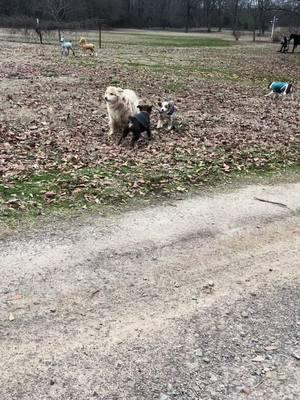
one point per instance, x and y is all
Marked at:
(167, 114)
(121, 104)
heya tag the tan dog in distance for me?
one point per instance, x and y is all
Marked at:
(86, 46)
(121, 104)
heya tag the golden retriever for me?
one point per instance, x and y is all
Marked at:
(121, 104)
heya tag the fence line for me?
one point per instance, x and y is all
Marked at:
(49, 37)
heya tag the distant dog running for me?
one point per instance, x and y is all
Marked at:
(87, 47)
(167, 114)
(138, 124)
(279, 88)
(65, 47)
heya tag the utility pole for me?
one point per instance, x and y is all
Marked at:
(273, 27)
(38, 30)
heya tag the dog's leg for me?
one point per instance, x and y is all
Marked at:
(173, 121)
(292, 93)
(112, 126)
(149, 133)
(269, 94)
(285, 95)
(124, 135)
(135, 138)
(160, 123)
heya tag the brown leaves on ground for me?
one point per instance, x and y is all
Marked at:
(52, 119)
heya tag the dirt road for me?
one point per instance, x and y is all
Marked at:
(195, 299)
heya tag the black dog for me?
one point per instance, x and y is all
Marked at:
(138, 124)
(296, 39)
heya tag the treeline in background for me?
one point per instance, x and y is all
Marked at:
(164, 14)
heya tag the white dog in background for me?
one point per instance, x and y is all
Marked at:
(121, 104)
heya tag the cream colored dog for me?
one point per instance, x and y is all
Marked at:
(121, 104)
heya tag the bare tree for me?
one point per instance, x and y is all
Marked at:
(253, 11)
(188, 5)
(164, 13)
(59, 10)
(210, 6)
(220, 4)
(173, 13)
(236, 18)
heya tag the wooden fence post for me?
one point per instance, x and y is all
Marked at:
(100, 33)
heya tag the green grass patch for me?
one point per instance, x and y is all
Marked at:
(176, 70)
(133, 39)
(115, 185)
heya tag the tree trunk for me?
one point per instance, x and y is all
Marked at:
(221, 18)
(261, 16)
(236, 16)
(188, 15)
(210, 4)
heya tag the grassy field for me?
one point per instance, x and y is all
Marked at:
(130, 38)
(134, 37)
(54, 150)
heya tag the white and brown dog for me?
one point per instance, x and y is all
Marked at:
(167, 114)
(121, 104)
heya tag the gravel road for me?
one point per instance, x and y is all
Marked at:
(193, 299)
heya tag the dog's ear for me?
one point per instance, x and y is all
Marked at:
(159, 104)
(171, 103)
(120, 94)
